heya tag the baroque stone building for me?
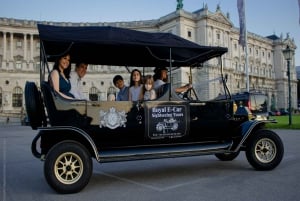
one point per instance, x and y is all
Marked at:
(20, 59)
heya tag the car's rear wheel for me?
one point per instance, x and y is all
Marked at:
(68, 167)
(264, 150)
(227, 156)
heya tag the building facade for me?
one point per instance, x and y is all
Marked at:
(267, 68)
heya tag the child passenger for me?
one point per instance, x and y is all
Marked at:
(135, 85)
(148, 91)
(123, 89)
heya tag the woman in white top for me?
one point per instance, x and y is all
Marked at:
(136, 85)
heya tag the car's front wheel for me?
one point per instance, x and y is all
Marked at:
(264, 150)
(68, 167)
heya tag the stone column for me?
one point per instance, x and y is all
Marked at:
(11, 46)
(11, 56)
(4, 51)
(4, 46)
(212, 36)
(31, 47)
(25, 47)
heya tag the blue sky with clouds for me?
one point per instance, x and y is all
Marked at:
(263, 17)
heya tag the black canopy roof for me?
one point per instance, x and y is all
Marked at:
(107, 45)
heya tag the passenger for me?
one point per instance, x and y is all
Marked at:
(60, 75)
(111, 97)
(135, 85)
(148, 91)
(76, 80)
(123, 94)
(161, 78)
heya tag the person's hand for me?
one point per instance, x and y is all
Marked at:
(188, 86)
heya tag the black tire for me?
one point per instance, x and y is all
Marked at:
(34, 106)
(264, 150)
(68, 167)
(227, 156)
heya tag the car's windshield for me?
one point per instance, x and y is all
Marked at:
(258, 103)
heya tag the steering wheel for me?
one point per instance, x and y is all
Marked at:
(186, 95)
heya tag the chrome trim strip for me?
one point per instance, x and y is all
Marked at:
(161, 152)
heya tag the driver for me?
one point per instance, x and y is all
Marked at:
(161, 77)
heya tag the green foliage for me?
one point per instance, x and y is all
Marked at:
(283, 122)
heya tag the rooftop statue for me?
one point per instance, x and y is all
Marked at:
(179, 4)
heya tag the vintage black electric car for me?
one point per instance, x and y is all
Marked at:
(70, 133)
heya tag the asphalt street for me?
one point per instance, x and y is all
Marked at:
(177, 179)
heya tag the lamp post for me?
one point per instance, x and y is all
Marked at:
(288, 55)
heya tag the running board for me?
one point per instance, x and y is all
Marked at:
(143, 153)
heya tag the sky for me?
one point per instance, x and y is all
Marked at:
(263, 17)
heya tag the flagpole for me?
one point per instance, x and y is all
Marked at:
(246, 58)
(243, 36)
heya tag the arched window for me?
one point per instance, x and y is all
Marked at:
(17, 97)
(93, 95)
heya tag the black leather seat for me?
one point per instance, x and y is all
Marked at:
(163, 92)
(57, 117)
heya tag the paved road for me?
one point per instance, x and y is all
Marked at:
(181, 179)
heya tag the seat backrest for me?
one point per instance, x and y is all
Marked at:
(163, 92)
(69, 117)
(49, 102)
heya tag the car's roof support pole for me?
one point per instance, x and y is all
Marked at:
(191, 83)
(43, 62)
(224, 79)
(170, 61)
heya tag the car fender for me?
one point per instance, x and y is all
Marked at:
(247, 129)
(81, 134)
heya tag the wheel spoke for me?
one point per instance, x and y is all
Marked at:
(61, 163)
(70, 159)
(62, 174)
